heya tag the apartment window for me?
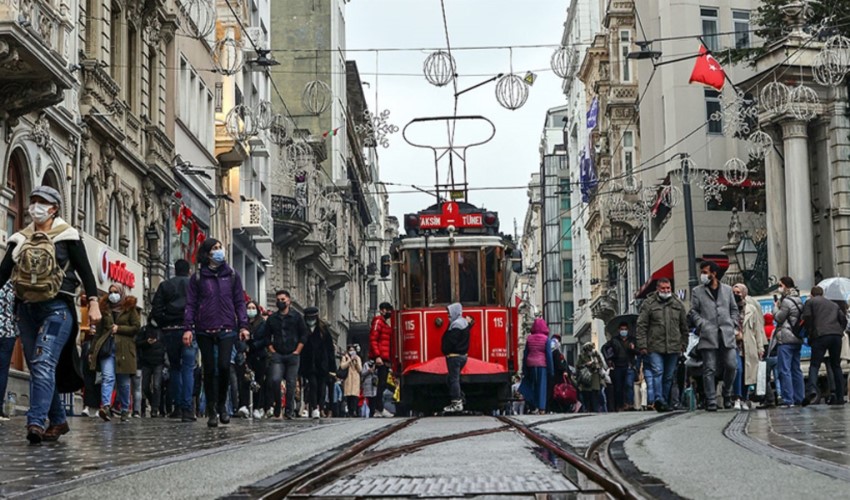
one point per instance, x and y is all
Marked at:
(184, 89)
(115, 25)
(567, 276)
(565, 193)
(114, 224)
(209, 122)
(373, 256)
(566, 233)
(131, 76)
(569, 312)
(709, 28)
(153, 87)
(741, 23)
(628, 152)
(625, 62)
(373, 299)
(713, 109)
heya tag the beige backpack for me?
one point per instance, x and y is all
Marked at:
(37, 276)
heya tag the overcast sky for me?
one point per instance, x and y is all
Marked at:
(512, 155)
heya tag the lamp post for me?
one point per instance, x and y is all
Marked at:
(152, 237)
(689, 221)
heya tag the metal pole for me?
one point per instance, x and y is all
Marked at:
(689, 223)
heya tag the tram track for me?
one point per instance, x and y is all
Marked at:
(595, 473)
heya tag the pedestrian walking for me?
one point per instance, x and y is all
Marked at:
(825, 324)
(788, 312)
(559, 368)
(8, 338)
(455, 347)
(318, 363)
(750, 346)
(114, 349)
(662, 336)
(151, 352)
(536, 366)
(369, 389)
(286, 335)
(257, 361)
(47, 320)
(168, 314)
(589, 366)
(380, 337)
(715, 314)
(351, 364)
(215, 310)
(622, 356)
(518, 404)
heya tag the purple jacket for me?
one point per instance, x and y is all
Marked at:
(215, 300)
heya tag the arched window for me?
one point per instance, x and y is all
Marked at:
(90, 215)
(132, 235)
(114, 223)
(15, 181)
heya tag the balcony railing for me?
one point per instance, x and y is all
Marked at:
(286, 208)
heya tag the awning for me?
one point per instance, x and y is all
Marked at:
(666, 271)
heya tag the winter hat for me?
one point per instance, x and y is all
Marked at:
(540, 326)
(205, 249)
(311, 311)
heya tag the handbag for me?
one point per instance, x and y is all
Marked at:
(107, 348)
(565, 392)
(761, 379)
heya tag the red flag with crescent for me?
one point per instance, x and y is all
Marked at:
(707, 70)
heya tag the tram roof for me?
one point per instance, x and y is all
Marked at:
(459, 241)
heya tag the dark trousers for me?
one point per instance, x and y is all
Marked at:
(455, 364)
(317, 386)
(618, 379)
(729, 364)
(243, 387)
(351, 402)
(820, 346)
(91, 390)
(281, 367)
(152, 385)
(590, 401)
(383, 371)
(260, 368)
(215, 361)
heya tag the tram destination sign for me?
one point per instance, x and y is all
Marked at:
(451, 216)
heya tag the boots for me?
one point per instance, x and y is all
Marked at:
(223, 415)
(187, 415)
(212, 418)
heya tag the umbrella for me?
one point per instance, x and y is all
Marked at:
(614, 324)
(836, 288)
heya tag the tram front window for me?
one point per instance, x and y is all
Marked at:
(467, 275)
(414, 276)
(441, 278)
(491, 281)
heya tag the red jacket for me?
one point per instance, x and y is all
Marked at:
(379, 338)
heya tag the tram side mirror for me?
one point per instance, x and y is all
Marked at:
(516, 261)
(385, 266)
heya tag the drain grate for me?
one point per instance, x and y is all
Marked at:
(446, 486)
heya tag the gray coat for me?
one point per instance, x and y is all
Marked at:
(786, 314)
(709, 316)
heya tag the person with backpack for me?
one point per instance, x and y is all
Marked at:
(167, 314)
(215, 310)
(351, 365)
(152, 361)
(46, 310)
(788, 313)
(825, 323)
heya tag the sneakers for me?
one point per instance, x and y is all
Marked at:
(746, 405)
(577, 407)
(136, 415)
(269, 413)
(711, 407)
(304, 413)
(315, 414)
(3, 417)
(125, 416)
(224, 416)
(55, 431)
(738, 405)
(455, 406)
(387, 414)
(659, 405)
(104, 413)
(34, 434)
(243, 412)
(85, 412)
(727, 403)
(258, 414)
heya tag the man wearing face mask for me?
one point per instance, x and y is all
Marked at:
(622, 349)
(215, 310)
(662, 335)
(286, 333)
(379, 351)
(47, 320)
(317, 360)
(715, 314)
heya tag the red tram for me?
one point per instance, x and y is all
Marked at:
(453, 252)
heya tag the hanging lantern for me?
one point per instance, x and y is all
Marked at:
(840, 45)
(240, 123)
(736, 171)
(686, 164)
(759, 143)
(648, 196)
(671, 196)
(774, 97)
(632, 185)
(228, 56)
(563, 60)
(301, 156)
(202, 14)
(280, 129)
(316, 97)
(264, 115)
(439, 68)
(828, 68)
(802, 103)
(511, 91)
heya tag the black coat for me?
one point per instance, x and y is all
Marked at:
(259, 339)
(169, 302)
(456, 341)
(318, 357)
(150, 354)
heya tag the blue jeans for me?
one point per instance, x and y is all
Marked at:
(663, 372)
(649, 378)
(181, 381)
(7, 346)
(773, 367)
(630, 385)
(108, 379)
(739, 379)
(790, 373)
(44, 329)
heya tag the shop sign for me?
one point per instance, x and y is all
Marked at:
(110, 266)
(114, 270)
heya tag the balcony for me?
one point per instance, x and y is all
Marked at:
(256, 220)
(603, 304)
(290, 220)
(34, 68)
(615, 243)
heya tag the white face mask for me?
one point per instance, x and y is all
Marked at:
(352, 353)
(704, 279)
(39, 212)
(114, 297)
(665, 296)
(252, 313)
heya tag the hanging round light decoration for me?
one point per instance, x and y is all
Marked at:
(280, 129)
(228, 56)
(264, 115)
(840, 45)
(632, 185)
(202, 14)
(511, 91)
(759, 143)
(316, 97)
(301, 156)
(827, 69)
(736, 171)
(671, 196)
(240, 123)
(648, 196)
(802, 103)
(774, 97)
(563, 60)
(439, 68)
(692, 168)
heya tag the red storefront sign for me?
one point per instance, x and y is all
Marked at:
(115, 270)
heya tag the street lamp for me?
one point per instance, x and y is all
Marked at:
(746, 253)
(152, 237)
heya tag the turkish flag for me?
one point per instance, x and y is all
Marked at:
(707, 70)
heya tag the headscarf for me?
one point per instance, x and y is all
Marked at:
(456, 319)
(122, 292)
(540, 326)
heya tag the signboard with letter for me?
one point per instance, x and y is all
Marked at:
(450, 216)
(110, 266)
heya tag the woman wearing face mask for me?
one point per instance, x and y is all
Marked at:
(257, 355)
(537, 366)
(317, 360)
(114, 348)
(351, 385)
(750, 346)
(788, 311)
(47, 320)
(215, 310)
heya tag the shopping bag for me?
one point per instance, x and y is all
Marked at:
(761, 379)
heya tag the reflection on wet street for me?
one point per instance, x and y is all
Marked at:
(816, 431)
